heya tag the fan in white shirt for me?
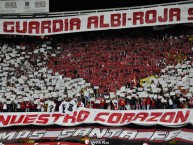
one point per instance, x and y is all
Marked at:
(62, 107)
(71, 107)
(68, 107)
(51, 106)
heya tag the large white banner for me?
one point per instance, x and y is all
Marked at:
(162, 15)
(24, 6)
(171, 118)
(145, 135)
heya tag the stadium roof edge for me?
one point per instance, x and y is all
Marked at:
(84, 12)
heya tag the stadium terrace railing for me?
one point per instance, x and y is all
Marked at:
(84, 12)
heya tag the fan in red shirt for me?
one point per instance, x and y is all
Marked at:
(33, 107)
(80, 104)
(153, 104)
(148, 102)
(88, 105)
(27, 106)
(122, 103)
(22, 104)
(191, 103)
(93, 105)
(115, 106)
(102, 103)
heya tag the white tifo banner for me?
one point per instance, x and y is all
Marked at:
(162, 15)
(171, 118)
(24, 6)
(146, 135)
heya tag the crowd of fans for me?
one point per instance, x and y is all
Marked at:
(97, 71)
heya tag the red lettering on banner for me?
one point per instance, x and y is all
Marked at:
(102, 23)
(174, 117)
(30, 119)
(180, 116)
(118, 20)
(34, 25)
(4, 121)
(71, 117)
(45, 25)
(165, 116)
(82, 116)
(93, 20)
(19, 120)
(165, 16)
(8, 27)
(57, 25)
(43, 119)
(150, 16)
(155, 116)
(127, 117)
(142, 116)
(66, 25)
(114, 118)
(190, 13)
(97, 118)
(174, 12)
(124, 19)
(21, 29)
(115, 20)
(138, 16)
(75, 24)
(57, 116)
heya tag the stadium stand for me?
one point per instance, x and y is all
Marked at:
(60, 83)
(100, 70)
